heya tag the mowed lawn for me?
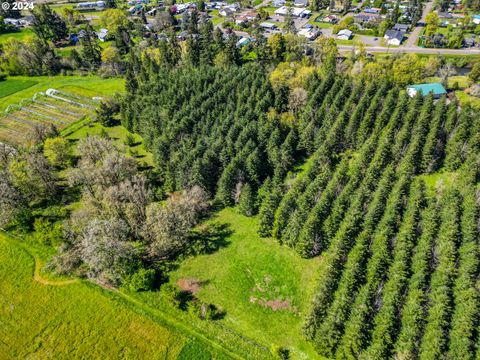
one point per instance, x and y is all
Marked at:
(73, 321)
(76, 84)
(22, 35)
(264, 288)
(15, 85)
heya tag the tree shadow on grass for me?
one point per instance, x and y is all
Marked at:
(209, 238)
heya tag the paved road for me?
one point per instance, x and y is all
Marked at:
(415, 49)
(412, 39)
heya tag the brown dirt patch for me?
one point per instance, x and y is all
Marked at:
(191, 285)
(275, 305)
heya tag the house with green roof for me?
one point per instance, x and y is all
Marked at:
(436, 89)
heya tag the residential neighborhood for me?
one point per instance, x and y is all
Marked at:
(392, 26)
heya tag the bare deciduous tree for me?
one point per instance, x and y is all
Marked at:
(102, 165)
(11, 200)
(167, 226)
(105, 248)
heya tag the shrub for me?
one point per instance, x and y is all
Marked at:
(46, 232)
(171, 295)
(280, 353)
(58, 152)
(142, 280)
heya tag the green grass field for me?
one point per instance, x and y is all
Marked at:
(466, 99)
(21, 35)
(77, 320)
(462, 81)
(352, 41)
(77, 84)
(59, 7)
(12, 86)
(248, 278)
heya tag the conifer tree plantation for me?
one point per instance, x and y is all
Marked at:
(387, 195)
(279, 206)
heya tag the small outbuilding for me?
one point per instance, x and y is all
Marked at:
(436, 89)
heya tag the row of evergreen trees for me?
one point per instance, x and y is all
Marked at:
(405, 260)
(382, 264)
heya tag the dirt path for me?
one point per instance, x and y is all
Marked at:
(37, 273)
(37, 276)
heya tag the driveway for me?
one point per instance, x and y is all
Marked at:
(412, 38)
(262, 4)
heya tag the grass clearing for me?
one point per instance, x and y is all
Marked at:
(73, 321)
(462, 81)
(21, 35)
(79, 83)
(439, 181)
(116, 133)
(466, 99)
(352, 41)
(9, 87)
(250, 276)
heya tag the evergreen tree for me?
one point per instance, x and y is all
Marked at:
(111, 4)
(91, 52)
(47, 24)
(246, 205)
(268, 209)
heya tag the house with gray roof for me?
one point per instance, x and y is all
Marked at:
(394, 37)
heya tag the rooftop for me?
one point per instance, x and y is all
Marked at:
(394, 34)
(425, 89)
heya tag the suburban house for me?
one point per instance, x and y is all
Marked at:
(401, 27)
(469, 42)
(445, 15)
(278, 3)
(330, 19)
(152, 12)
(365, 18)
(102, 34)
(393, 37)
(301, 3)
(243, 41)
(91, 5)
(436, 89)
(344, 34)
(133, 2)
(310, 33)
(182, 36)
(225, 12)
(12, 22)
(282, 11)
(296, 11)
(372, 10)
(241, 19)
(268, 26)
(252, 15)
